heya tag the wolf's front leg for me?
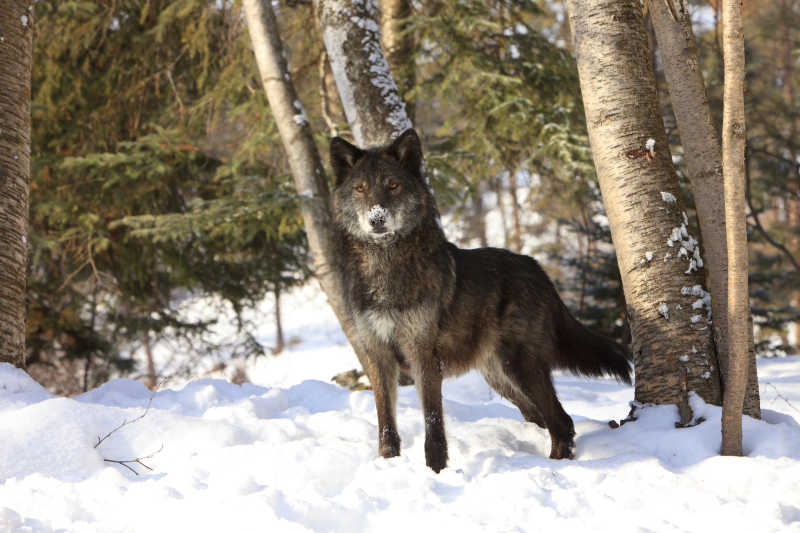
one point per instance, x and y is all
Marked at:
(428, 379)
(382, 371)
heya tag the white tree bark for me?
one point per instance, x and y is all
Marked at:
(659, 261)
(304, 160)
(733, 143)
(701, 145)
(16, 21)
(373, 107)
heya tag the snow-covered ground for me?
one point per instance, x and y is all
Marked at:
(295, 452)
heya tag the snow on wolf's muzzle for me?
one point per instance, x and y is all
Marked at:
(377, 216)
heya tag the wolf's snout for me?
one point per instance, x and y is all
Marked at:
(377, 217)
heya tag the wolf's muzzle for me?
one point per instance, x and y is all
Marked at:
(377, 218)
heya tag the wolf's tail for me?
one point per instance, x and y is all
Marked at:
(584, 352)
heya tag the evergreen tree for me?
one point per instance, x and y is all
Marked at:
(154, 174)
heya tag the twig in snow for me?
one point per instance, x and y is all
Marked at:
(126, 422)
(782, 397)
(138, 460)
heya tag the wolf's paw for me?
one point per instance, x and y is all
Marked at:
(436, 454)
(389, 444)
(563, 450)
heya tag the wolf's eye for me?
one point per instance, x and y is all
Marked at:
(393, 186)
(359, 188)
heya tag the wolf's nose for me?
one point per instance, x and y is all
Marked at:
(377, 216)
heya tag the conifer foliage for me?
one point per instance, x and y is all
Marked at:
(150, 180)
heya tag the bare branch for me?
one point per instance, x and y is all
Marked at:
(126, 422)
(127, 462)
(764, 233)
(782, 397)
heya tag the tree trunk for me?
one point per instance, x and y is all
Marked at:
(151, 379)
(658, 259)
(733, 142)
(793, 202)
(478, 216)
(701, 146)
(516, 224)
(15, 169)
(398, 47)
(373, 107)
(304, 160)
(279, 344)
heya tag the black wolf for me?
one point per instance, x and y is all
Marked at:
(423, 304)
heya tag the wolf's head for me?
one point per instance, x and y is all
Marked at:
(380, 194)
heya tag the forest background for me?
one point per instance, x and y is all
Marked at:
(158, 174)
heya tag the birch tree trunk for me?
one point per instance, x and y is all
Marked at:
(15, 148)
(701, 146)
(659, 260)
(373, 107)
(733, 142)
(398, 47)
(304, 160)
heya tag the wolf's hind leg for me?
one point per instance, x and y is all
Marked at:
(532, 378)
(382, 370)
(497, 380)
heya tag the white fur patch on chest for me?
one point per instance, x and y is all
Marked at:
(388, 325)
(380, 324)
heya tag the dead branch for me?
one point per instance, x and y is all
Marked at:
(782, 397)
(126, 422)
(127, 462)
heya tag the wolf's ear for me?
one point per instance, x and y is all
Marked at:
(408, 150)
(343, 156)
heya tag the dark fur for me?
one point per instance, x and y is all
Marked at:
(420, 302)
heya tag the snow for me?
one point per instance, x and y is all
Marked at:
(299, 117)
(294, 452)
(668, 197)
(689, 245)
(377, 212)
(291, 451)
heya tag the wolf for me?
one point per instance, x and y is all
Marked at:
(422, 304)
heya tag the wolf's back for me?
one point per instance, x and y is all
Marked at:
(584, 352)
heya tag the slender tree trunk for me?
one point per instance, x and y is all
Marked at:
(671, 340)
(373, 107)
(279, 344)
(151, 378)
(398, 47)
(497, 185)
(479, 216)
(733, 142)
(304, 160)
(516, 227)
(15, 148)
(701, 145)
(325, 101)
(793, 203)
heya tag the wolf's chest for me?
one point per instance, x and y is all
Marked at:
(391, 325)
